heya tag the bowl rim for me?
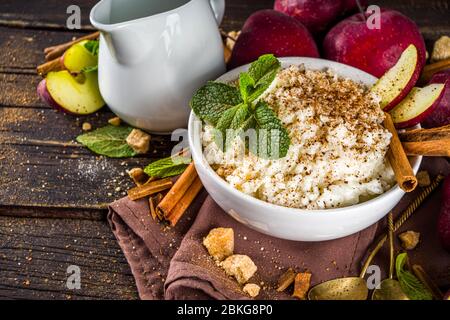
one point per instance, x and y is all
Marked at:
(199, 158)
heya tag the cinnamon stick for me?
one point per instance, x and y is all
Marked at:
(178, 190)
(431, 69)
(399, 161)
(58, 50)
(417, 135)
(149, 189)
(53, 65)
(151, 204)
(184, 203)
(432, 148)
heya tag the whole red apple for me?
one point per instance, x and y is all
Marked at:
(441, 115)
(316, 15)
(270, 31)
(374, 50)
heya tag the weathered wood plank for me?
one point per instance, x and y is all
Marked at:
(42, 14)
(22, 49)
(41, 165)
(35, 255)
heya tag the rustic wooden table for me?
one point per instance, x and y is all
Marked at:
(53, 192)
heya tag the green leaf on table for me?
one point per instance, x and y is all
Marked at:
(213, 99)
(167, 167)
(109, 141)
(410, 285)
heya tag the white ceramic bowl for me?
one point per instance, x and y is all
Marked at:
(290, 223)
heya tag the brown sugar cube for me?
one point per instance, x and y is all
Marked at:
(301, 285)
(286, 280)
(239, 266)
(115, 121)
(441, 49)
(252, 289)
(410, 239)
(139, 141)
(423, 178)
(138, 175)
(220, 243)
(86, 126)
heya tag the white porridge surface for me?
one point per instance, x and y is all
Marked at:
(337, 155)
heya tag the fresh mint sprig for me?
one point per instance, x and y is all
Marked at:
(167, 167)
(234, 111)
(108, 141)
(93, 47)
(410, 285)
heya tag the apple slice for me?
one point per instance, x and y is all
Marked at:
(396, 83)
(74, 94)
(417, 105)
(77, 57)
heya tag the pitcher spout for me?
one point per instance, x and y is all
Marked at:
(117, 37)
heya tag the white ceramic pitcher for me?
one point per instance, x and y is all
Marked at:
(154, 54)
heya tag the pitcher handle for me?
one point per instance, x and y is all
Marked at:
(218, 6)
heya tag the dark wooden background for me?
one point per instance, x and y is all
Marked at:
(53, 192)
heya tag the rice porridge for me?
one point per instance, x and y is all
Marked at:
(337, 155)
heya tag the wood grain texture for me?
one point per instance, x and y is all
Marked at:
(35, 255)
(42, 166)
(44, 173)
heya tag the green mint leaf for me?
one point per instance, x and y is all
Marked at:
(273, 138)
(410, 285)
(167, 167)
(263, 71)
(92, 46)
(213, 99)
(109, 141)
(90, 69)
(231, 124)
(246, 85)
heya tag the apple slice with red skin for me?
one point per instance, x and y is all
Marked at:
(397, 82)
(73, 90)
(417, 105)
(73, 94)
(441, 115)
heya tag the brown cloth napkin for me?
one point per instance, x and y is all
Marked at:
(171, 263)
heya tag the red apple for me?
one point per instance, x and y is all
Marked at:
(374, 50)
(443, 227)
(316, 15)
(270, 31)
(417, 105)
(441, 115)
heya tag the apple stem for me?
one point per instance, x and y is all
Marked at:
(361, 9)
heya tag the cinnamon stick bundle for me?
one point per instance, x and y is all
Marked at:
(58, 50)
(399, 161)
(431, 69)
(184, 203)
(149, 189)
(431, 148)
(417, 135)
(53, 65)
(178, 190)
